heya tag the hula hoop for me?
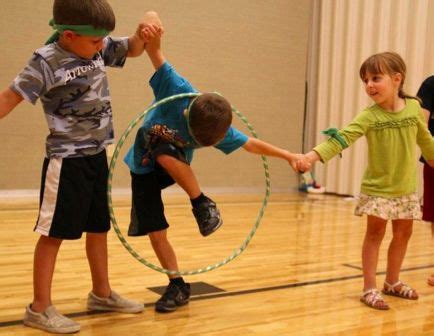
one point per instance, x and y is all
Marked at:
(119, 145)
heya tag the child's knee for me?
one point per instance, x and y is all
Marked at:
(158, 238)
(49, 241)
(168, 156)
(403, 234)
(165, 160)
(376, 233)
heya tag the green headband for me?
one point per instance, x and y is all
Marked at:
(87, 30)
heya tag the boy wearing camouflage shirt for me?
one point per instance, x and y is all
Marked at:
(68, 75)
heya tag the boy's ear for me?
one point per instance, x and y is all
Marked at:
(69, 35)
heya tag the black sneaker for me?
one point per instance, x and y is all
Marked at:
(173, 297)
(207, 217)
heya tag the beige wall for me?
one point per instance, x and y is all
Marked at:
(253, 52)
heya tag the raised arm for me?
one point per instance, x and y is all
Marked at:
(260, 147)
(153, 46)
(149, 27)
(8, 100)
(154, 52)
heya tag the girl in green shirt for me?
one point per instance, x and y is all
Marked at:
(393, 126)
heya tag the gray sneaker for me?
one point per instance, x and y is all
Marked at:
(113, 303)
(50, 320)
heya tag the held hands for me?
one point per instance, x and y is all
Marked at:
(306, 161)
(299, 163)
(150, 28)
(149, 31)
(302, 163)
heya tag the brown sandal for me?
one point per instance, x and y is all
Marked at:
(372, 298)
(404, 291)
(430, 280)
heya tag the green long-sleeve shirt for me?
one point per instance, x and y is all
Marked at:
(392, 139)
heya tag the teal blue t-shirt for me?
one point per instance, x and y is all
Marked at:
(167, 82)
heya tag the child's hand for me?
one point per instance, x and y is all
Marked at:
(299, 163)
(306, 161)
(303, 164)
(151, 27)
(148, 31)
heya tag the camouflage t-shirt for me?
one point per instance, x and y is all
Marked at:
(75, 96)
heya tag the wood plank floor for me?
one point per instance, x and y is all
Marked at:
(300, 275)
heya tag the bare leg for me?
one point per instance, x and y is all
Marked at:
(43, 268)
(96, 251)
(428, 185)
(374, 235)
(431, 277)
(181, 173)
(402, 230)
(164, 251)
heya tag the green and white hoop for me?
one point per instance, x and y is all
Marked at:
(118, 147)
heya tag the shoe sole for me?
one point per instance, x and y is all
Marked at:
(313, 190)
(214, 229)
(169, 310)
(117, 310)
(68, 330)
(165, 310)
(399, 295)
(374, 307)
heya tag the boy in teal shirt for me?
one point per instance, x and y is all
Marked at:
(161, 156)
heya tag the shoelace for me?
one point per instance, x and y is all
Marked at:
(170, 292)
(211, 211)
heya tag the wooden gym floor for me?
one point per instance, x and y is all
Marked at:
(300, 275)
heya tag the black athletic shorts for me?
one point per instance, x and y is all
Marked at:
(147, 210)
(73, 197)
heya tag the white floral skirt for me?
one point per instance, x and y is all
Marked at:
(404, 207)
